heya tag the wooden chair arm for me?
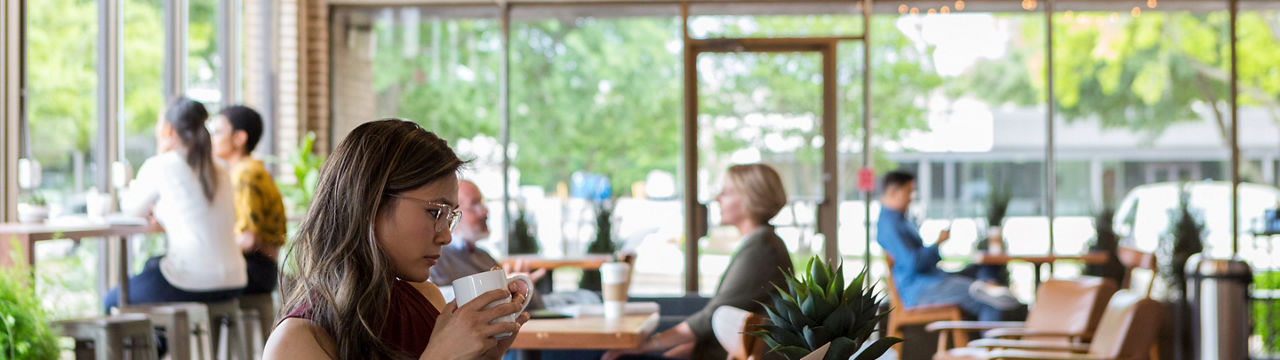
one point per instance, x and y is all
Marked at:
(1041, 355)
(1021, 333)
(973, 325)
(1029, 345)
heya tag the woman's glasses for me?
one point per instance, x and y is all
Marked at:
(444, 214)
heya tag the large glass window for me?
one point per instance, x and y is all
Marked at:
(62, 135)
(593, 99)
(1143, 107)
(142, 52)
(203, 60)
(968, 124)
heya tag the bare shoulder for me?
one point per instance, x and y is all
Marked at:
(298, 339)
(431, 292)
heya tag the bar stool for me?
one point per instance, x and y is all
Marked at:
(228, 330)
(185, 325)
(265, 306)
(111, 337)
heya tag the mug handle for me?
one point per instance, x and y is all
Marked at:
(529, 285)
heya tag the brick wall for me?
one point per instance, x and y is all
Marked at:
(353, 96)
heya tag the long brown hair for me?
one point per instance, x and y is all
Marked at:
(187, 118)
(343, 280)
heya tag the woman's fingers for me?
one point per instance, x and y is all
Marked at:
(502, 310)
(500, 328)
(523, 318)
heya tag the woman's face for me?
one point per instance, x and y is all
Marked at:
(224, 139)
(732, 205)
(406, 230)
(165, 137)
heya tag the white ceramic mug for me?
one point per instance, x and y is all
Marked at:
(615, 278)
(468, 288)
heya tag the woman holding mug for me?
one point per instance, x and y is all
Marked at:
(385, 205)
(752, 194)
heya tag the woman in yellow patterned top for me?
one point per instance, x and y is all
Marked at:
(260, 217)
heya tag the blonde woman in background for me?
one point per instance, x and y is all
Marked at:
(752, 194)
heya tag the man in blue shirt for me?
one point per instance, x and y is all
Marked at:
(915, 268)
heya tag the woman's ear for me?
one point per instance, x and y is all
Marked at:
(239, 138)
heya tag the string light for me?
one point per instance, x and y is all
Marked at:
(959, 5)
(1136, 12)
(945, 9)
(915, 11)
(1151, 4)
(1028, 5)
(932, 11)
(902, 9)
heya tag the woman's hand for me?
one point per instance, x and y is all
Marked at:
(465, 333)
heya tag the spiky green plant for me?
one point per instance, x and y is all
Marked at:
(817, 308)
(522, 239)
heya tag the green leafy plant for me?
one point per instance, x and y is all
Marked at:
(1185, 238)
(1266, 312)
(35, 199)
(24, 330)
(1106, 240)
(998, 198)
(817, 308)
(603, 243)
(522, 238)
(306, 166)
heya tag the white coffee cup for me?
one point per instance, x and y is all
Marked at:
(468, 288)
(615, 278)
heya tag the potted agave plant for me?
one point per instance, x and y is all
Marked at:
(818, 317)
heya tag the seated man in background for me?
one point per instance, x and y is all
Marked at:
(461, 258)
(915, 268)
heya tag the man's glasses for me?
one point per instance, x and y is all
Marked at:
(443, 214)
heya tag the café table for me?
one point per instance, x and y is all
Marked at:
(586, 332)
(588, 262)
(1096, 257)
(116, 233)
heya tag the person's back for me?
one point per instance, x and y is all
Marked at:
(188, 194)
(202, 254)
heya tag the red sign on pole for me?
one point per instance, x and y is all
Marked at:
(866, 179)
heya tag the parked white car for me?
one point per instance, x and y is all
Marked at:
(1144, 215)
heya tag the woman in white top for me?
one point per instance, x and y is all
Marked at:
(189, 196)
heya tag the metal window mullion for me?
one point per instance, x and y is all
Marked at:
(227, 39)
(1050, 167)
(1235, 134)
(175, 47)
(504, 106)
(109, 90)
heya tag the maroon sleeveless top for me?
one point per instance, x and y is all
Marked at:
(410, 319)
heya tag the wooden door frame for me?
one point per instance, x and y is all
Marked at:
(696, 213)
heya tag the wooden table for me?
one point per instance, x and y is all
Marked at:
(1096, 257)
(27, 235)
(589, 262)
(586, 333)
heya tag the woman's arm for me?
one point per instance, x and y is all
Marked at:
(143, 191)
(680, 335)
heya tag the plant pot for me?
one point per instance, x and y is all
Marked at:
(995, 240)
(32, 214)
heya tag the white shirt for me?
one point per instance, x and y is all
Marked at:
(202, 250)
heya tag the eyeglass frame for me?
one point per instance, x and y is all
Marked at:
(454, 214)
